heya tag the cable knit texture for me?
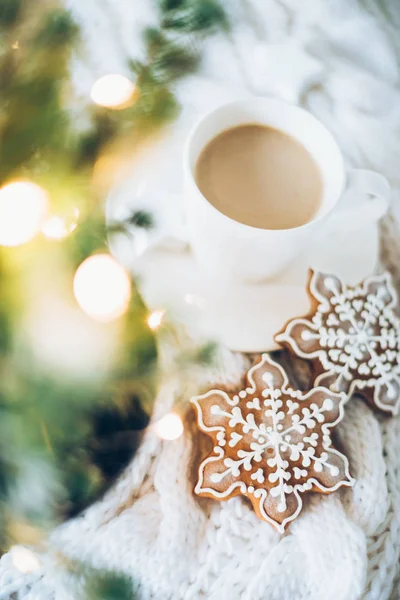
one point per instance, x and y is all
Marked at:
(345, 546)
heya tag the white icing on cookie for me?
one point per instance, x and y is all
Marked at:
(275, 453)
(354, 334)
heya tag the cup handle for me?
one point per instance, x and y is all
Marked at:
(366, 199)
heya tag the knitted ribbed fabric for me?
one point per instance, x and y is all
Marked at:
(343, 546)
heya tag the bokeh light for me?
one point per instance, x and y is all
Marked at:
(24, 560)
(58, 227)
(113, 91)
(23, 208)
(102, 287)
(155, 319)
(169, 427)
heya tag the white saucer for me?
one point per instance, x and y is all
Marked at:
(244, 317)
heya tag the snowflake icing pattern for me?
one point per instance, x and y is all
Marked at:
(353, 338)
(271, 443)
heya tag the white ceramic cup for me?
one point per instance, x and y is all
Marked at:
(231, 250)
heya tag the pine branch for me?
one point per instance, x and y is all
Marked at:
(9, 12)
(196, 16)
(109, 587)
(63, 440)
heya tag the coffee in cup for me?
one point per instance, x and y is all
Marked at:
(260, 176)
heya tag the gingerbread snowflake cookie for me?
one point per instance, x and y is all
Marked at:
(271, 443)
(352, 337)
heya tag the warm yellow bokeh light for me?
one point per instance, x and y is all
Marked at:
(57, 227)
(170, 427)
(102, 287)
(24, 560)
(112, 91)
(23, 208)
(155, 319)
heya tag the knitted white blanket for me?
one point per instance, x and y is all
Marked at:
(345, 546)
